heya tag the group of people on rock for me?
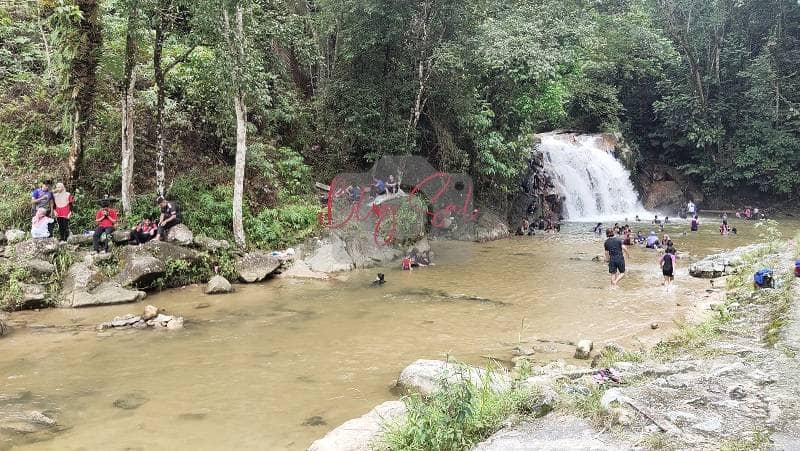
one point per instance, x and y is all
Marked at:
(416, 259)
(379, 187)
(56, 206)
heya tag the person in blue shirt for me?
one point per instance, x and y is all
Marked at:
(380, 186)
(42, 197)
(652, 240)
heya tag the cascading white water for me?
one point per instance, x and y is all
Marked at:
(595, 186)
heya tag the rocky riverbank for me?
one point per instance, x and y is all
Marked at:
(729, 381)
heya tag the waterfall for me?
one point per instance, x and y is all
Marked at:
(595, 186)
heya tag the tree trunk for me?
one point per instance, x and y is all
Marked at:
(82, 81)
(128, 97)
(241, 127)
(238, 178)
(158, 75)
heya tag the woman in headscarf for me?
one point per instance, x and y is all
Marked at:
(40, 223)
(63, 209)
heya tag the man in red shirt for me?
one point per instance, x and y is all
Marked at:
(106, 219)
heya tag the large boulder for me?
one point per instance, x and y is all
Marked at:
(365, 252)
(211, 245)
(106, 293)
(36, 267)
(218, 285)
(81, 276)
(426, 376)
(14, 236)
(36, 248)
(361, 434)
(139, 267)
(168, 251)
(180, 235)
(33, 293)
(255, 266)
(121, 236)
(80, 239)
(330, 257)
(722, 264)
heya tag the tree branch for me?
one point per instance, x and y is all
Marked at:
(179, 59)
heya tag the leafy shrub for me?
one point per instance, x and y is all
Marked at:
(456, 417)
(11, 294)
(283, 226)
(206, 209)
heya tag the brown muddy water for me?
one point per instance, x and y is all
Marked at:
(277, 365)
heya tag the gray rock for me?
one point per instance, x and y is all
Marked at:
(36, 248)
(583, 350)
(40, 418)
(255, 266)
(165, 251)
(330, 257)
(36, 267)
(363, 433)
(180, 235)
(104, 294)
(211, 245)
(81, 276)
(681, 418)
(130, 401)
(150, 312)
(554, 432)
(218, 285)
(14, 236)
(710, 425)
(33, 292)
(175, 323)
(121, 236)
(139, 268)
(80, 239)
(723, 370)
(426, 376)
(722, 264)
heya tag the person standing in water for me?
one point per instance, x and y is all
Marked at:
(615, 256)
(695, 224)
(667, 263)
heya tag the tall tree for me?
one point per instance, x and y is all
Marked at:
(83, 80)
(235, 38)
(168, 15)
(128, 98)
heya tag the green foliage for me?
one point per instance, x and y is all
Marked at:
(276, 227)
(456, 417)
(11, 295)
(206, 208)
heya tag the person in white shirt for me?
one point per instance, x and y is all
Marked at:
(690, 208)
(40, 223)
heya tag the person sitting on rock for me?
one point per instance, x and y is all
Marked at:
(425, 259)
(144, 231)
(105, 219)
(40, 224)
(170, 217)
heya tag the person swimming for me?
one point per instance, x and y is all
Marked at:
(379, 280)
(652, 240)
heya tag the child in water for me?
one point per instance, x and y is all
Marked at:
(667, 263)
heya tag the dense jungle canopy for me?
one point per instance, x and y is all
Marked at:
(312, 88)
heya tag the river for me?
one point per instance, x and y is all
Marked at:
(277, 365)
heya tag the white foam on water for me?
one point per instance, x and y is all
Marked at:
(595, 185)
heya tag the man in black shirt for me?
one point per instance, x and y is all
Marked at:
(170, 217)
(615, 256)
